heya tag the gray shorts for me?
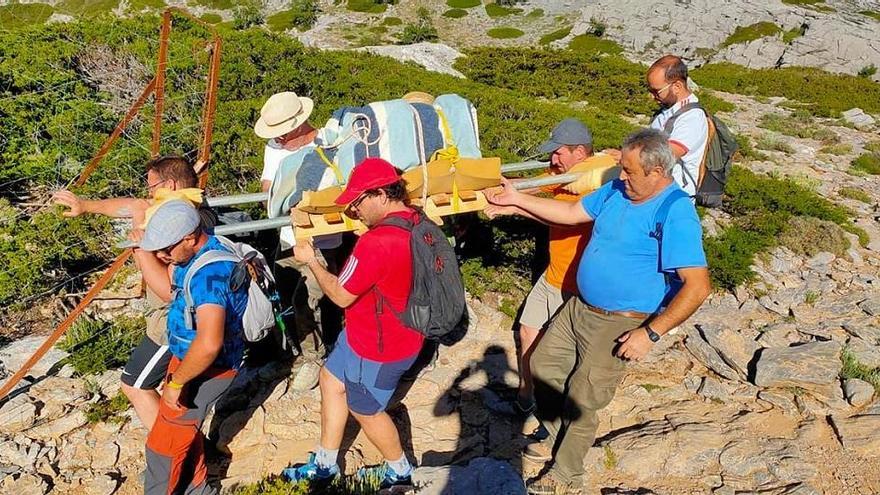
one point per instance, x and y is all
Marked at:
(542, 304)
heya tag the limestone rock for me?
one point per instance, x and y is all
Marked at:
(750, 463)
(858, 118)
(14, 355)
(859, 433)
(736, 351)
(707, 355)
(863, 331)
(480, 475)
(435, 57)
(871, 306)
(810, 366)
(858, 392)
(18, 414)
(24, 484)
(101, 484)
(57, 428)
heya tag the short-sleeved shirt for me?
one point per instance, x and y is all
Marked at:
(273, 155)
(381, 261)
(209, 285)
(567, 243)
(690, 131)
(622, 269)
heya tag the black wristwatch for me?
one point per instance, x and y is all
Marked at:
(654, 336)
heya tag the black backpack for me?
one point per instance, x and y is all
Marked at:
(436, 305)
(715, 167)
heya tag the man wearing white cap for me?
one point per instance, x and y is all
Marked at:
(205, 340)
(284, 121)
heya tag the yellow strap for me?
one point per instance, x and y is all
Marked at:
(450, 152)
(332, 166)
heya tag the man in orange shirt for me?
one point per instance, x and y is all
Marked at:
(571, 150)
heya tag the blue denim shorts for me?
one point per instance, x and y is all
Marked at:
(369, 385)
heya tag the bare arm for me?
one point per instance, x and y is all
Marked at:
(156, 273)
(304, 252)
(206, 346)
(696, 288)
(265, 185)
(550, 211)
(113, 207)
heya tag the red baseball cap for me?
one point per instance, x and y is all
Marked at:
(368, 174)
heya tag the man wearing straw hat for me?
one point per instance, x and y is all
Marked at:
(284, 123)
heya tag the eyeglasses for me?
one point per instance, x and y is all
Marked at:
(167, 250)
(156, 184)
(354, 205)
(656, 92)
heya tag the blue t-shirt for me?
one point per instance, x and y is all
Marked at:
(620, 270)
(209, 285)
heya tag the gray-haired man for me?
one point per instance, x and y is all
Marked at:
(643, 273)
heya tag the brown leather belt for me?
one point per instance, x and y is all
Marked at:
(627, 314)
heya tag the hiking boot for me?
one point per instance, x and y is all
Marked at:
(547, 485)
(387, 477)
(311, 471)
(307, 377)
(538, 451)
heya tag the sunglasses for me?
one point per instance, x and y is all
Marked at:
(167, 250)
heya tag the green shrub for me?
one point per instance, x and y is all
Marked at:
(212, 18)
(463, 4)
(852, 368)
(868, 71)
(809, 236)
(873, 146)
(597, 27)
(455, 13)
(867, 163)
(854, 193)
(745, 34)
(794, 33)
(836, 149)
(799, 124)
(421, 30)
(771, 143)
(108, 410)
(302, 15)
(873, 14)
(715, 104)
(591, 43)
(86, 8)
(17, 15)
(96, 346)
(535, 14)
(392, 21)
(555, 35)
(367, 6)
(747, 150)
(504, 33)
(214, 4)
(342, 485)
(246, 15)
(495, 10)
(825, 94)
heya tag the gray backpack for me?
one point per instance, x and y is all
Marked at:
(715, 167)
(436, 304)
(259, 315)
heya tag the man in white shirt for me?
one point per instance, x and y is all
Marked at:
(667, 83)
(284, 123)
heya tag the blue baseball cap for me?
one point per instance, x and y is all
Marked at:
(569, 132)
(170, 223)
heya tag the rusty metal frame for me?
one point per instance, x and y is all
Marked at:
(156, 86)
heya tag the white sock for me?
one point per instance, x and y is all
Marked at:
(401, 466)
(326, 458)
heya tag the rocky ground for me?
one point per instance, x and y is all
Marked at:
(746, 397)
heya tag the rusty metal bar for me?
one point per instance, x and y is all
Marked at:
(209, 111)
(102, 152)
(161, 65)
(65, 325)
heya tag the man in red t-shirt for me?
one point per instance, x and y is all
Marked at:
(375, 348)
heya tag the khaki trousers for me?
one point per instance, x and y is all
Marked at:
(576, 373)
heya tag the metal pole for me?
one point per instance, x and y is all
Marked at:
(520, 166)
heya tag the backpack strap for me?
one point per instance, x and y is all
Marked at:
(212, 256)
(667, 128)
(660, 220)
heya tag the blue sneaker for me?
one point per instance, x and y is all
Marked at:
(310, 471)
(386, 476)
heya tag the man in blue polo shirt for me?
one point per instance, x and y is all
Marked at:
(205, 341)
(642, 274)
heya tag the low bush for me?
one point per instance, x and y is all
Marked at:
(463, 4)
(96, 346)
(24, 14)
(772, 143)
(108, 410)
(799, 124)
(826, 94)
(392, 21)
(794, 33)
(535, 14)
(213, 4)
(854, 193)
(866, 163)
(302, 15)
(591, 43)
(366, 6)
(836, 149)
(455, 13)
(247, 14)
(555, 35)
(421, 30)
(745, 34)
(873, 146)
(868, 71)
(496, 10)
(873, 14)
(809, 236)
(212, 18)
(503, 33)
